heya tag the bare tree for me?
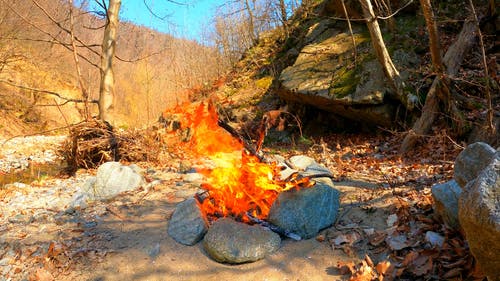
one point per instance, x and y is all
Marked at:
(392, 74)
(106, 89)
(284, 16)
(439, 90)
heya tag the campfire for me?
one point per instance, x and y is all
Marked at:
(239, 185)
(248, 203)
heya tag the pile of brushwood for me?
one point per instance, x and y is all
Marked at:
(94, 142)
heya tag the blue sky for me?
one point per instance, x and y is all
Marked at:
(187, 21)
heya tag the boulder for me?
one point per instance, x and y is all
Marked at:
(114, 178)
(471, 161)
(306, 211)
(187, 224)
(479, 214)
(323, 76)
(229, 241)
(446, 197)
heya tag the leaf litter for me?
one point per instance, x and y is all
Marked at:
(384, 224)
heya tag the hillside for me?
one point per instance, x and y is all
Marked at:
(152, 69)
(321, 84)
(286, 167)
(156, 71)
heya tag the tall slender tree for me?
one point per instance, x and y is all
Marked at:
(107, 86)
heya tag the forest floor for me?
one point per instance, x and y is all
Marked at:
(385, 215)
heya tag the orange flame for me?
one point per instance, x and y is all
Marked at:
(239, 184)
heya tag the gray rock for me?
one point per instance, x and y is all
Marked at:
(316, 170)
(233, 242)
(323, 78)
(471, 161)
(193, 177)
(112, 179)
(187, 225)
(287, 172)
(446, 197)
(308, 166)
(20, 218)
(308, 210)
(479, 214)
(300, 162)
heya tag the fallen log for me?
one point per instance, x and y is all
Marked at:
(452, 60)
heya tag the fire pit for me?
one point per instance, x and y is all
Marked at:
(247, 205)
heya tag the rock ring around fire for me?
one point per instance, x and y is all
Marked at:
(228, 241)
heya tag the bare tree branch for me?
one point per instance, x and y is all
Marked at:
(45, 92)
(51, 41)
(61, 26)
(54, 38)
(144, 57)
(85, 94)
(486, 72)
(153, 13)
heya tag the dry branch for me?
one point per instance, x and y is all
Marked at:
(46, 92)
(452, 60)
(94, 142)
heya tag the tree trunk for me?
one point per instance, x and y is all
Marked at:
(284, 16)
(437, 62)
(85, 95)
(383, 57)
(107, 86)
(251, 27)
(452, 60)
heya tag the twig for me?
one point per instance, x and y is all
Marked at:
(350, 31)
(274, 228)
(85, 94)
(62, 114)
(46, 92)
(485, 64)
(249, 147)
(377, 17)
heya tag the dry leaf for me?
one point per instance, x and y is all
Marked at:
(54, 249)
(385, 269)
(363, 273)
(397, 242)
(454, 272)
(369, 261)
(42, 274)
(320, 238)
(349, 238)
(377, 238)
(346, 268)
(409, 258)
(422, 265)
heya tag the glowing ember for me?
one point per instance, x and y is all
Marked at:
(239, 183)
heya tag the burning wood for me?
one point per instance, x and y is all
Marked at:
(274, 228)
(240, 183)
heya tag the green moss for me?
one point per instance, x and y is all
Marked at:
(305, 140)
(264, 82)
(344, 82)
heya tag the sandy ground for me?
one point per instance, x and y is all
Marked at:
(134, 245)
(126, 238)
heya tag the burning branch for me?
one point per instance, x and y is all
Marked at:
(248, 146)
(274, 228)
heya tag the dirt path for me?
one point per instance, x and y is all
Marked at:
(133, 244)
(125, 238)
